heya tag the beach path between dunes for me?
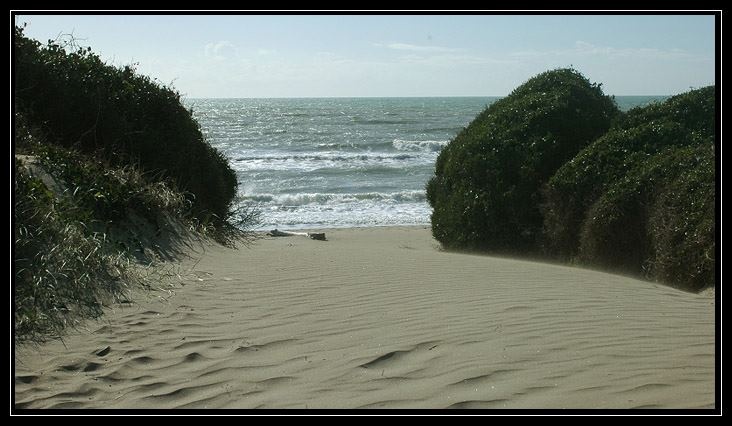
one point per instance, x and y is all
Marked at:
(381, 318)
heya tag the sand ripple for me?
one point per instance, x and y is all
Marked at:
(378, 318)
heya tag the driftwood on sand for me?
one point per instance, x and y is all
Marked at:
(311, 235)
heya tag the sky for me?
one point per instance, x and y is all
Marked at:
(262, 56)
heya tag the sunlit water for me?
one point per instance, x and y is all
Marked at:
(338, 162)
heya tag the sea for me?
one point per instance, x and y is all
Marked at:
(318, 163)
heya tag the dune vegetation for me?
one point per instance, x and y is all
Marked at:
(486, 188)
(556, 170)
(111, 173)
(641, 198)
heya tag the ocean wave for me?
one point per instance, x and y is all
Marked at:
(326, 157)
(269, 131)
(289, 200)
(454, 130)
(359, 120)
(335, 145)
(432, 146)
(326, 164)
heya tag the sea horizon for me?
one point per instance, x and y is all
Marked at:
(395, 97)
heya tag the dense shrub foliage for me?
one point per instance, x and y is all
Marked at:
(486, 189)
(107, 194)
(111, 173)
(641, 198)
(61, 270)
(555, 168)
(120, 116)
(74, 240)
(682, 120)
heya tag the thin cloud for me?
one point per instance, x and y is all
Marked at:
(455, 59)
(582, 48)
(220, 50)
(418, 48)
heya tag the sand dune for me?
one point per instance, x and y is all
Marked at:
(379, 318)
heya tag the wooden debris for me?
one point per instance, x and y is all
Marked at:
(312, 235)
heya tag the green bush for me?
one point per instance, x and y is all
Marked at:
(641, 198)
(115, 174)
(658, 220)
(119, 116)
(486, 189)
(61, 270)
(81, 228)
(682, 221)
(682, 120)
(107, 194)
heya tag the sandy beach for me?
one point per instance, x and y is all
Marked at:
(381, 318)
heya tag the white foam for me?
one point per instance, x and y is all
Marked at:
(343, 215)
(328, 159)
(326, 199)
(431, 146)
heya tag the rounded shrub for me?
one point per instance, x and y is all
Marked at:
(641, 198)
(658, 220)
(683, 120)
(486, 189)
(121, 117)
(681, 223)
